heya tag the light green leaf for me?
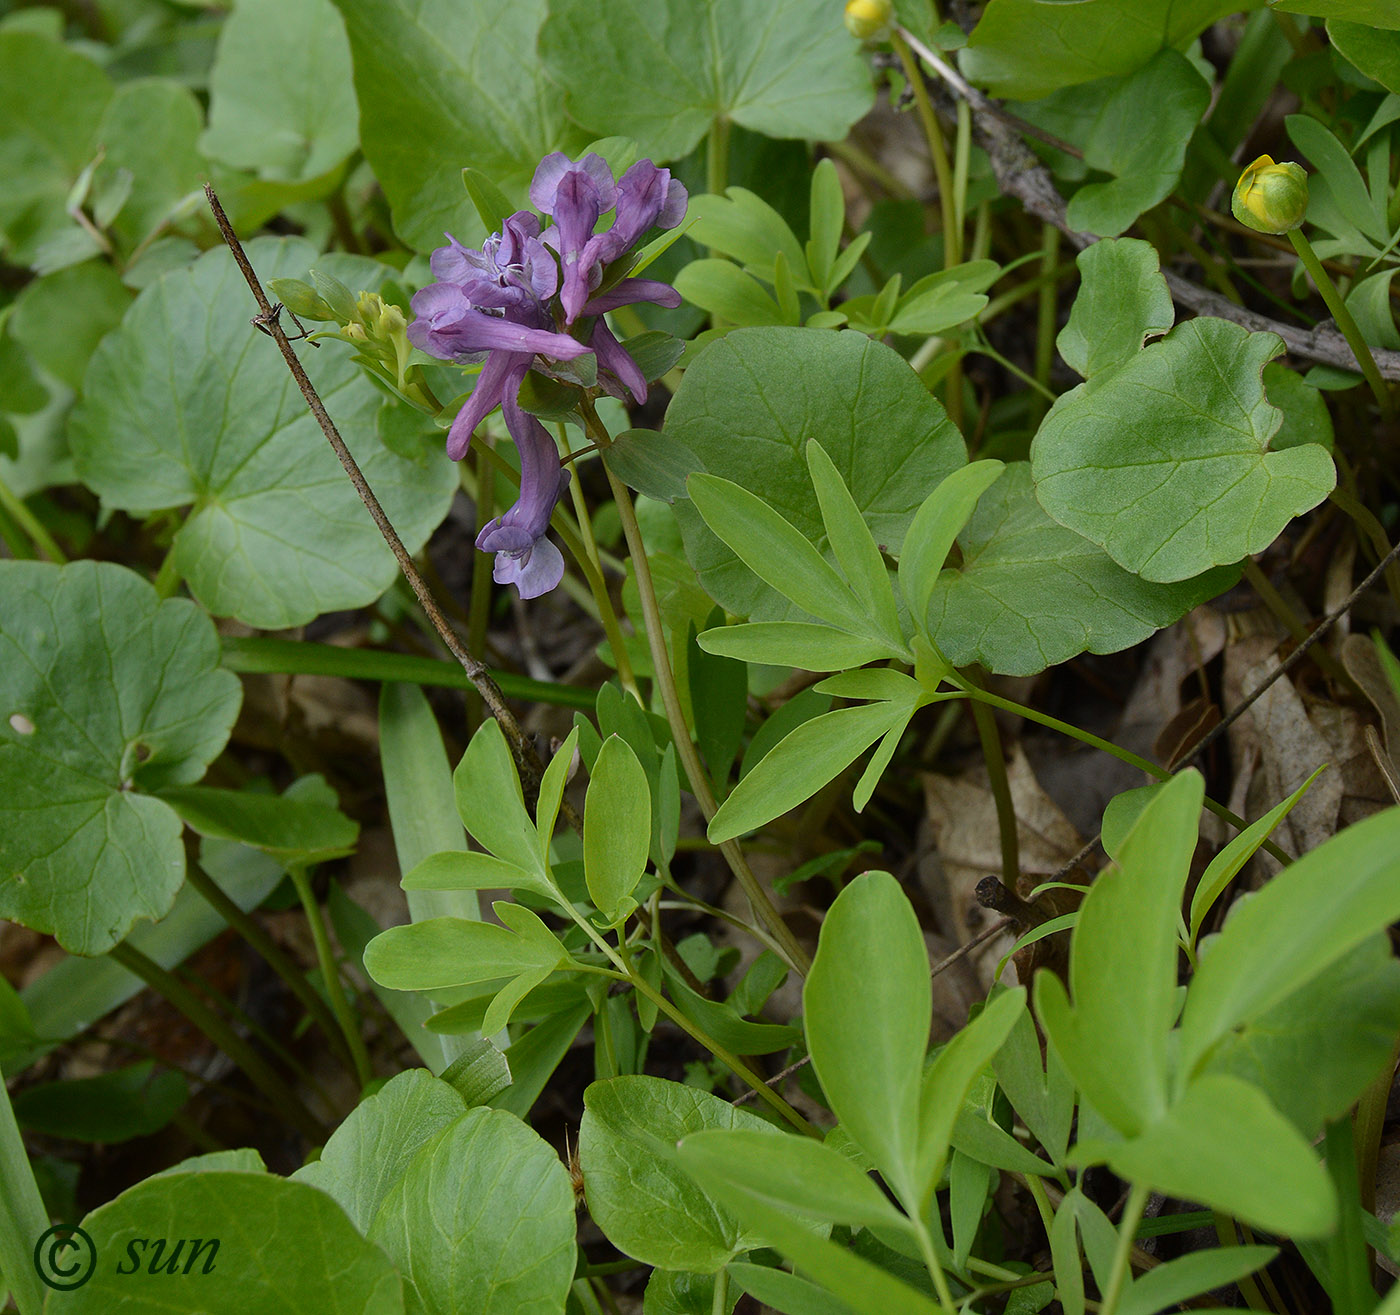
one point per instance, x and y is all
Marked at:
(726, 291)
(638, 1194)
(793, 644)
(284, 109)
(856, 551)
(1377, 13)
(551, 795)
(495, 1200)
(1227, 863)
(826, 216)
(1337, 188)
(1027, 48)
(785, 1292)
(743, 225)
(1039, 1091)
(1190, 1275)
(1280, 938)
(59, 319)
(747, 409)
(1375, 53)
(1314, 1052)
(462, 870)
(491, 802)
(106, 694)
(293, 830)
(151, 130)
(112, 1107)
(276, 533)
(1123, 965)
(936, 524)
(51, 103)
(950, 1077)
(1143, 149)
(1122, 301)
(1224, 1145)
(211, 1229)
(662, 73)
(653, 464)
(370, 1151)
(814, 753)
(777, 552)
(1029, 594)
(616, 827)
(866, 1009)
(445, 952)
(881, 683)
(792, 1173)
(466, 78)
(1166, 464)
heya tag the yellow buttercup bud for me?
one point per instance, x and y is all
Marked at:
(870, 20)
(1271, 198)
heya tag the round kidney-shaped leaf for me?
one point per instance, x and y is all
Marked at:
(1167, 463)
(185, 404)
(747, 408)
(106, 694)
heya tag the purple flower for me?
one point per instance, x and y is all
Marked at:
(524, 556)
(491, 303)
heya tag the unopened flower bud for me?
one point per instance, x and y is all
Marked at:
(355, 332)
(869, 20)
(1271, 198)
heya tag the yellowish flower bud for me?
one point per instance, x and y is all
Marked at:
(1271, 198)
(869, 20)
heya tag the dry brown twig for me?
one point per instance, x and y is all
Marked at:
(268, 321)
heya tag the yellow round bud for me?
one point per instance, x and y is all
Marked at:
(869, 20)
(1271, 198)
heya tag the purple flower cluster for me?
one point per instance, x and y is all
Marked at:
(513, 304)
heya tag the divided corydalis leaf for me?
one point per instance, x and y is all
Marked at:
(491, 802)
(1166, 464)
(447, 952)
(616, 827)
(107, 693)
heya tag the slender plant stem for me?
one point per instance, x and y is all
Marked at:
(330, 974)
(1228, 1237)
(1370, 527)
(251, 931)
(1123, 755)
(1001, 791)
(938, 152)
(763, 907)
(931, 1261)
(479, 604)
(30, 524)
(222, 1035)
(1343, 317)
(22, 1214)
(592, 568)
(526, 756)
(717, 156)
(1127, 1229)
(1046, 316)
(168, 577)
(719, 1302)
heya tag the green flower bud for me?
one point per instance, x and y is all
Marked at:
(1271, 198)
(869, 20)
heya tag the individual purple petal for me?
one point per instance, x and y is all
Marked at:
(471, 330)
(647, 197)
(613, 356)
(552, 171)
(524, 556)
(533, 571)
(500, 377)
(630, 291)
(453, 263)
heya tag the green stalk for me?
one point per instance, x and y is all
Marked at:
(1047, 312)
(931, 1262)
(1127, 1228)
(479, 605)
(330, 974)
(222, 1035)
(1001, 791)
(252, 932)
(22, 1214)
(1344, 320)
(167, 579)
(30, 524)
(302, 657)
(719, 1302)
(938, 152)
(1123, 755)
(797, 958)
(717, 157)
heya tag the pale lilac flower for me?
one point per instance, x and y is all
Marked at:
(524, 556)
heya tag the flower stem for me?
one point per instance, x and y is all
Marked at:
(1001, 791)
(30, 524)
(717, 157)
(763, 907)
(938, 152)
(330, 975)
(1127, 1227)
(1344, 320)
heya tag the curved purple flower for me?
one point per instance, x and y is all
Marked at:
(524, 556)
